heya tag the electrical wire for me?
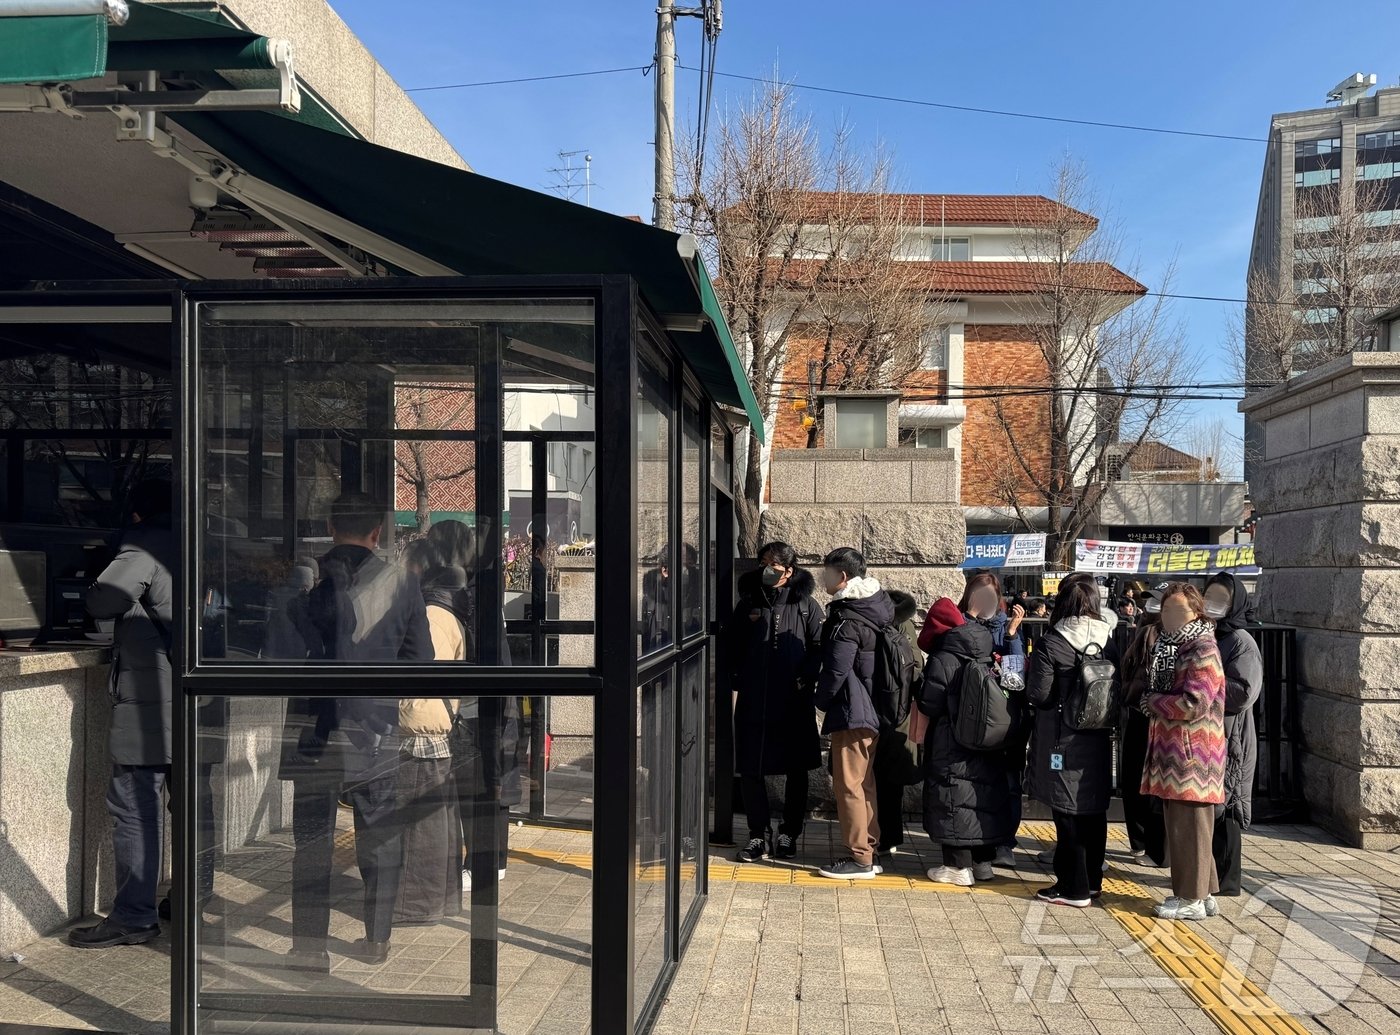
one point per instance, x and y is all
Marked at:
(530, 79)
(1007, 113)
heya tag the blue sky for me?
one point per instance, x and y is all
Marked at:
(1215, 67)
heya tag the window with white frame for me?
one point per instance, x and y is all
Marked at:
(951, 249)
(923, 438)
(935, 348)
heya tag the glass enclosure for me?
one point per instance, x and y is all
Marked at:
(434, 767)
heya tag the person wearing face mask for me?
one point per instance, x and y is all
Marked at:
(982, 604)
(1071, 769)
(859, 610)
(1185, 709)
(1227, 603)
(773, 643)
(1141, 814)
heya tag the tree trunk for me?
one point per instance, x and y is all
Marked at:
(749, 506)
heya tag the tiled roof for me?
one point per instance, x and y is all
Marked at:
(1158, 456)
(1017, 210)
(996, 278)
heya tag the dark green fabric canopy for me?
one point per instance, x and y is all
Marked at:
(477, 225)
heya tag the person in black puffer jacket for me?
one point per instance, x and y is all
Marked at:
(969, 807)
(897, 755)
(1071, 770)
(774, 654)
(1227, 601)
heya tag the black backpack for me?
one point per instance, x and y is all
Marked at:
(985, 715)
(896, 672)
(1095, 701)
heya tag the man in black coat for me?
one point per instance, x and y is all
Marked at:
(362, 610)
(774, 651)
(136, 590)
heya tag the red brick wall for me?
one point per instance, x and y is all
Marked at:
(996, 354)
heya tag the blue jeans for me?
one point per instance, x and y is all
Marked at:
(133, 799)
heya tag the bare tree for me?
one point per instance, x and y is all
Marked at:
(804, 240)
(1101, 373)
(1211, 443)
(419, 405)
(1319, 302)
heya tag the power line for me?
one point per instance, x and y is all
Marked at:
(530, 79)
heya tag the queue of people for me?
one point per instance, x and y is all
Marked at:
(420, 776)
(986, 723)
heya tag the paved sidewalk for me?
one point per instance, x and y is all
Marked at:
(1313, 946)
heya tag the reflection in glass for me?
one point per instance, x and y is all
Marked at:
(305, 403)
(655, 558)
(360, 847)
(692, 611)
(693, 769)
(655, 812)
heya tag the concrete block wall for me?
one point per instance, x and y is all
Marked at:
(1328, 492)
(899, 507)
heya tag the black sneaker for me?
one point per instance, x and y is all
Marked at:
(754, 849)
(785, 847)
(106, 934)
(1055, 897)
(163, 910)
(849, 869)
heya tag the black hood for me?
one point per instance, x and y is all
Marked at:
(1238, 617)
(800, 584)
(966, 641)
(905, 605)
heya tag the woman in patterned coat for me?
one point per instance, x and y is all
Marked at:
(1186, 749)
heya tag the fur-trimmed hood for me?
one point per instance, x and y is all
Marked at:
(800, 585)
(904, 606)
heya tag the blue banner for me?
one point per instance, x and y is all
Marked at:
(1154, 559)
(1005, 551)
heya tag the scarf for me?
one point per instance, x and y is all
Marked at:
(1164, 654)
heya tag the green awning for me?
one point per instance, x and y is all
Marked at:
(52, 48)
(476, 225)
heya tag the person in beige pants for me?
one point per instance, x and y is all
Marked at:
(859, 609)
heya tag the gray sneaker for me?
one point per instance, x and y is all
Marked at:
(848, 869)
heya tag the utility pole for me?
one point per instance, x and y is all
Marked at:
(664, 199)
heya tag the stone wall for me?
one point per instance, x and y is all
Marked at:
(898, 507)
(1328, 491)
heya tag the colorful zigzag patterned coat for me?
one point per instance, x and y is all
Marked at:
(1186, 746)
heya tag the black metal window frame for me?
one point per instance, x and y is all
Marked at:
(612, 682)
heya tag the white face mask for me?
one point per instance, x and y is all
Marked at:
(1216, 610)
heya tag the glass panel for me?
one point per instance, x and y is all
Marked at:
(374, 404)
(654, 553)
(721, 469)
(693, 770)
(692, 585)
(655, 812)
(86, 482)
(860, 423)
(422, 854)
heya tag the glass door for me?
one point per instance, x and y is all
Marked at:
(376, 566)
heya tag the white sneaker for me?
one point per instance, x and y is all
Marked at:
(466, 879)
(1182, 909)
(1212, 906)
(501, 874)
(983, 871)
(1006, 858)
(1104, 867)
(961, 878)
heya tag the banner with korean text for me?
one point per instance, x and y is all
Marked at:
(1005, 551)
(1103, 557)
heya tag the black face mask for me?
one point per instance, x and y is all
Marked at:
(772, 576)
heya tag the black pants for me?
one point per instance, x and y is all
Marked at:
(1079, 847)
(889, 810)
(378, 853)
(756, 807)
(1225, 846)
(1142, 814)
(964, 858)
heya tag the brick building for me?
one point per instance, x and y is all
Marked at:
(985, 262)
